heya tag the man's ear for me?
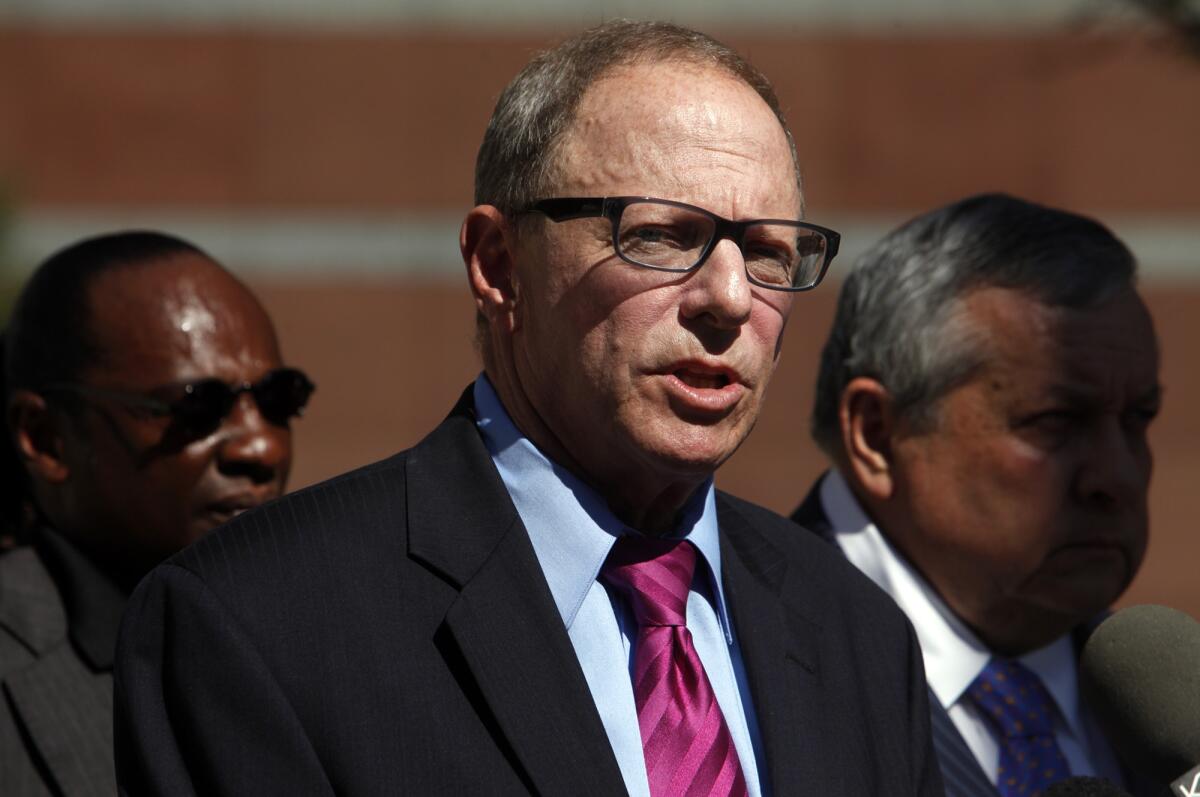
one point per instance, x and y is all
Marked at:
(37, 434)
(486, 243)
(868, 422)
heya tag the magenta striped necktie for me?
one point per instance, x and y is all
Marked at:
(685, 740)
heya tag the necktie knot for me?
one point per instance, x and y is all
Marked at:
(1020, 712)
(655, 575)
(1014, 699)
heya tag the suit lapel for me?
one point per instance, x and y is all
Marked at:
(779, 650)
(811, 513)
(960, 770)
(504, 622)
(67, 711)
(65, 708)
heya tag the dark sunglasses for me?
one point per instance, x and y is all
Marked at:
(280, 395)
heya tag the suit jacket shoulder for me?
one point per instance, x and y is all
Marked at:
(388, 631)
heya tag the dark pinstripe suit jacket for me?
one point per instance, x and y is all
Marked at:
(391, 632)
(961, 772)
(56, 711)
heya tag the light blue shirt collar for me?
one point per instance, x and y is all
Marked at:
(569, 523)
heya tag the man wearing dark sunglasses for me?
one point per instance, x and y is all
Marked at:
(548, 595)
(146, 403)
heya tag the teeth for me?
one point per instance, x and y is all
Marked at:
(707, 381)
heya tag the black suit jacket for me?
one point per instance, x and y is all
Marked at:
(55, 706)
(961, 772)
(391, 632)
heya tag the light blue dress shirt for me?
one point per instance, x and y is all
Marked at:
(572, 530)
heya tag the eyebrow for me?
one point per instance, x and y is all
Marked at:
(1087, 395)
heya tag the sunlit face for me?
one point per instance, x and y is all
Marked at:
(134, 485)
(648, 378)
(1026, 503)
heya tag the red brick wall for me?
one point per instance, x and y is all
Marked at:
(392, 119)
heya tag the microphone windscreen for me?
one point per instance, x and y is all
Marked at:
(1083, 786)
(1140, 674)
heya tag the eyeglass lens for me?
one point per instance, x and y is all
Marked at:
(280, 395)
(676, 238)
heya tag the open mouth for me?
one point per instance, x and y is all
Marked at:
(702, 381)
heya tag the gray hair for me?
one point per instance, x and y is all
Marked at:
(897, 318)
(517, 160)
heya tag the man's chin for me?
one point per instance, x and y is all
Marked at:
(1061, 610)
(695, 455)
(1086, 582)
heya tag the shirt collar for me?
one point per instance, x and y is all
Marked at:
(92, 600)
(569, 523)
(953, 654)
(1055, 664)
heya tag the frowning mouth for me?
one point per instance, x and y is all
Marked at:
(1093, 548)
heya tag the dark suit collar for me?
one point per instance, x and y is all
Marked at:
(811, 512)
(961, 772)
(510, 641)
(455, 533)
(778, 644)
(93, 601)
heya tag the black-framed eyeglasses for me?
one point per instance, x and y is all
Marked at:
(665, 235)
(199, 407)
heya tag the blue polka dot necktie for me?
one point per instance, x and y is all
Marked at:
(1021, 715)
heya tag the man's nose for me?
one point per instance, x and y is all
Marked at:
(252, 446)
(1116, 467)
(719, 291)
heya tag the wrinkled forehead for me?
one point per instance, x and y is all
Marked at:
(674, 122)
(1115, 338)
(1107, 352)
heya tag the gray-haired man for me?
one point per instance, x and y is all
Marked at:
(984, 397)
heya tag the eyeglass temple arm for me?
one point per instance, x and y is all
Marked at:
(568, 208)
(130, 399)
(832, 240)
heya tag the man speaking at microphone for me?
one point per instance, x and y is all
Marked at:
(984, 396)
(547, 595)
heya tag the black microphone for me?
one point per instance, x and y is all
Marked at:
(1084, 786)
(1140, 675)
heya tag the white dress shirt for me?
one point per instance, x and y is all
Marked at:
(954, 655)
